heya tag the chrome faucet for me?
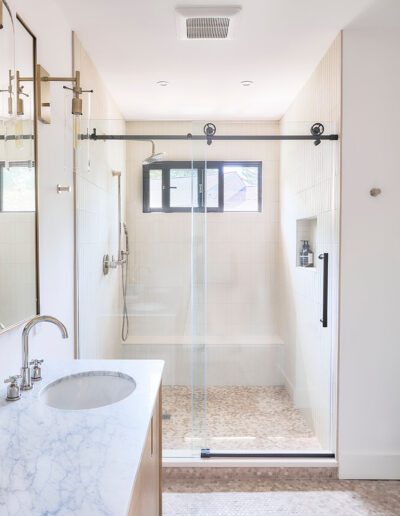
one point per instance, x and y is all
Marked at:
(26, 382)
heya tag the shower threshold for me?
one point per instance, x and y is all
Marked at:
(206, 453)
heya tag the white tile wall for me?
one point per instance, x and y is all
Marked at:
(308, 188)
(99, 296)
(241, 264)
(17, 267)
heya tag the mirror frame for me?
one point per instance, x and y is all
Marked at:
(35, 151)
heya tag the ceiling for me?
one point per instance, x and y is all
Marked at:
(277, 44)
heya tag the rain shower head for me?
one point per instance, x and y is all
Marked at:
(159, 156)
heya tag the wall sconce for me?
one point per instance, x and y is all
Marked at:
(20, 93)
(9, 90)
(43, 93)
(42, 81)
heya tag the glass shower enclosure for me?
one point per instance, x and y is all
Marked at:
(218, 286)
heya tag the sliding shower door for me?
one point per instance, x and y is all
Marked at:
(264, 280)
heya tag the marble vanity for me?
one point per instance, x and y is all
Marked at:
(85, 462)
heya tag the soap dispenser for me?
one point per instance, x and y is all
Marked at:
(306, 255)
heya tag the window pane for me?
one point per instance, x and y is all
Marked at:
(183, 186)
(212, 188)
(155, 189)
(18, 188)
(240, 188)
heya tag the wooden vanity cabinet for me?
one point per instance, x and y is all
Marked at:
(146, 496)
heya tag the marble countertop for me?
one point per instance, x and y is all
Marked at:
(75, 462)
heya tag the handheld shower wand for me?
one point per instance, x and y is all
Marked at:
(126, 252)
(124, 277)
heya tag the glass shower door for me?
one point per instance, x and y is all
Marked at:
(264, 322)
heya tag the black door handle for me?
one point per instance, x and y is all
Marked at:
(324, 320)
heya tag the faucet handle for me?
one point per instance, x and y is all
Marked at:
(36, 369)
(13, 378)
(36, 361)
(13, 390)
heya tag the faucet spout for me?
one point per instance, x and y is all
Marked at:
(26, 382)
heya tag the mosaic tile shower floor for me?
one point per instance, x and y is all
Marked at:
(238, 418)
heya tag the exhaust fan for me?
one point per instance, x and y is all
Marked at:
(206, 22)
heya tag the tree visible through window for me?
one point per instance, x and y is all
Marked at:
(212, 186)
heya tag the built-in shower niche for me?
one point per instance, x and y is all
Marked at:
(306, 229)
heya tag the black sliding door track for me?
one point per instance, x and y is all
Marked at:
(206, 453)
(256, 137)
(316, 135)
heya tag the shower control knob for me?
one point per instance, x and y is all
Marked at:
(36, 374)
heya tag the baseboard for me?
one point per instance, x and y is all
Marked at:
(365, 466)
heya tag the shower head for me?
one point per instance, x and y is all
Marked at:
(159, 156)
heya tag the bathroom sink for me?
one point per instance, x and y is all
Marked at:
(88, 390)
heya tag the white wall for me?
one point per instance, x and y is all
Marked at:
(369, 381)
(55, 211)
(309, 177)
(99, 296)
(241, 266)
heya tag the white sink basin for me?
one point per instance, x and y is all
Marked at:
(88, 390)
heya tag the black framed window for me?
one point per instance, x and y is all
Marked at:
(17, 186)
(220, 186)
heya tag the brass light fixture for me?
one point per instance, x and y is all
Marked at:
(43, 93)
(9, 90)
(20, 93)
(42, 80)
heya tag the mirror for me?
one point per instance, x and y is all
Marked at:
(18, 199)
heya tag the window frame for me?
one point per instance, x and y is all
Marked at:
(20, 164)
(200, 166)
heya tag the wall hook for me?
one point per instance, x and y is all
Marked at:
(62, 189)
(374, 192)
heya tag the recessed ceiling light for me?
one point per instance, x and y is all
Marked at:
(162, 83)
(247, 83)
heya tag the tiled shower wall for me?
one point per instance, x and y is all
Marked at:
(242, 328)
(17, 266)
(98, 296)
(309, 180)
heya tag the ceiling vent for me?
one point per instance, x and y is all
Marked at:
(206, 22)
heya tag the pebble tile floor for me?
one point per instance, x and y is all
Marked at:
(238, 418)
(289, 498)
